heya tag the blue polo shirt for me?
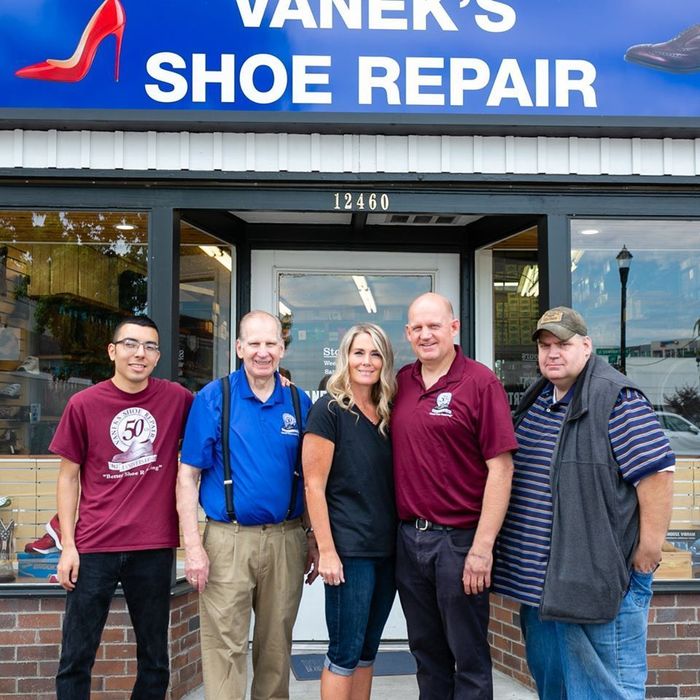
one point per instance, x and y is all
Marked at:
(263, 439)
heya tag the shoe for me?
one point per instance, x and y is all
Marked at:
(5, 501)
(9, 412)
(109, 18)
(30, 365)
(135, 451)
(44, 545)
(53, 578)
(678, 55)
(53, 528)
(11, 390)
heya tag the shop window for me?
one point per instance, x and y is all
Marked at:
(661, 349)
(204, 347)
(66, 279)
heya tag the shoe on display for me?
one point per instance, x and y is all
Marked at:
(53, 578)
(678, 55)
(53, 528)
(11, 390)
(44, 545)
(5, 501)
(30, 365)
(9, 412)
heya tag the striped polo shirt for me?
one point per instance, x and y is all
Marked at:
(638, 444)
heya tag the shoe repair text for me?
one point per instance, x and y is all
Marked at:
(380, 78)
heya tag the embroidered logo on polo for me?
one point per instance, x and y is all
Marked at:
(133, 432)
(289, 426)
(442, 404)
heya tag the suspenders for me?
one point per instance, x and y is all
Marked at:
(228, 478)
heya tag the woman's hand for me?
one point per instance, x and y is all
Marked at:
(330, 569)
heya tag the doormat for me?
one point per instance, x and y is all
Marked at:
(308, 667)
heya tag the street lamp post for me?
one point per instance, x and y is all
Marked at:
(624, 258)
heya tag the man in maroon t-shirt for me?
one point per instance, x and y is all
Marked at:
(118, 443)
(452, 437)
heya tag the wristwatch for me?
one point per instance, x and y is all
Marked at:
(309, 531)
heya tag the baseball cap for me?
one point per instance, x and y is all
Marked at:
(562, 322)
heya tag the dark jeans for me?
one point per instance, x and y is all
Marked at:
(145, 578)
(447, 629)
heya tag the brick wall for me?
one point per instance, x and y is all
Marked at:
(673, 647)
(30, 638)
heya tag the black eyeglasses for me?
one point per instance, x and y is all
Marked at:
(132, 345)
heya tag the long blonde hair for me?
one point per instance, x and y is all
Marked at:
(339, 386)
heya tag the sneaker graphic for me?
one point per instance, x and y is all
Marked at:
(5, 501)
(53, 528)
(44, 545)
(30, 365)
(11, 390)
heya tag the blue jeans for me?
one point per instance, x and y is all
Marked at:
(145, 578)
(447, 629)
(591, 661)
(356, 612)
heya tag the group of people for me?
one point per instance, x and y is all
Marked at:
(388, 482)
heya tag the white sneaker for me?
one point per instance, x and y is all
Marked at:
(11, 390)
(30, 364)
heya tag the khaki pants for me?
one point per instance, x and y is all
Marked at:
(260, 569)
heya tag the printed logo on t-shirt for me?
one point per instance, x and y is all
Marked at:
(442, 404)
(290, 425)
(133, 432)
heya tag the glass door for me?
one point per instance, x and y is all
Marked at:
(318, 296)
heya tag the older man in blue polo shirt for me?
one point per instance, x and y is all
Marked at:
(255, 558)
(589, 509)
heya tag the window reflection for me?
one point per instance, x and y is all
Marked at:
(204, 350)
(662, 344)
(66, 279)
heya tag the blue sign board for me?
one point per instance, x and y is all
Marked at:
(599, 59)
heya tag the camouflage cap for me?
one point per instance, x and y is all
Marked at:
(562, 322)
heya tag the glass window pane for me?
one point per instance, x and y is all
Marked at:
(206, 264)
(515, 314)
(662, 349)
(316, 309)
(66, 279)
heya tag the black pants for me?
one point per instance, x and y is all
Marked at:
(447, 629)
(145, 578)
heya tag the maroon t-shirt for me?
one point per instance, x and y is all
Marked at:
(442, 438)
(127, 447)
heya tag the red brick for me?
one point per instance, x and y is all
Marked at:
(688, 631)
(662, 691)
(38, 621)
(8, 621)
(663, 600)
(684, 677)
(676, 615)
(666, 631)
(17, 669)
(53, 604)
(689, 661)
(662, 661)
(689, 691)
(18, 637)
(109, 667)
(52, 636)
(8, 685)
(120, 651)
(39, 652)
(35, 685)
(119, 682)
(679, 646)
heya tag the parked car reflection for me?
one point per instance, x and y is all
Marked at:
(683, 435)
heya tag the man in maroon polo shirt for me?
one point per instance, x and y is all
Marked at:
(452, 437)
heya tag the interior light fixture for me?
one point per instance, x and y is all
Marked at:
(123, 226)
(284, 309)
(221, 256)
(365, 293)
(589, 231)
(529, 282)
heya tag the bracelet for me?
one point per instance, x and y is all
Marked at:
(309, 531)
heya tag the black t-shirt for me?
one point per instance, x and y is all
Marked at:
(360, 488)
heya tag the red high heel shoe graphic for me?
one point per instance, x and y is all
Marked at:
(109, 18)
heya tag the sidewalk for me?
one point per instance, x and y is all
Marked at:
(386, 687)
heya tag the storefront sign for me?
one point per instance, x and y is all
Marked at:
(456, 58)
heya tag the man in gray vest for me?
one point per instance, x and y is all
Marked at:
(589, 510)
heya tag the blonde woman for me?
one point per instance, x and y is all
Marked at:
(350, 497)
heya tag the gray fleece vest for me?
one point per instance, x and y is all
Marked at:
(595, 527)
